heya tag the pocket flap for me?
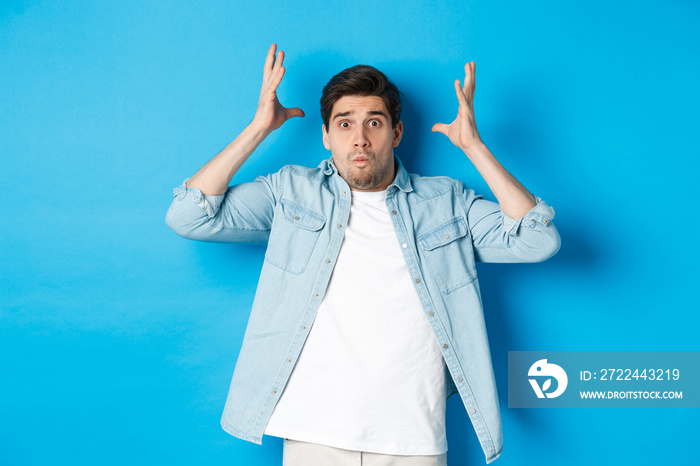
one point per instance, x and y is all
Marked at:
(444, 234)
(301, 216)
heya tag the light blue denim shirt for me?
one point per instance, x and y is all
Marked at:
(301, 214)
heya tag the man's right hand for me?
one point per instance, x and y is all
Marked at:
(270, 114)
(215, 176)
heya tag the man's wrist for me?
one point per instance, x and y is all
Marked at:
(257, 132)
(476, 150)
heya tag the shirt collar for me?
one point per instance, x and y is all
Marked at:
(402, 180)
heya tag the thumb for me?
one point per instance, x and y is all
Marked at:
(295, 112)
(440, 128)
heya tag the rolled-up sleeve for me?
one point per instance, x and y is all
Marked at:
(242, 214)
(499, 238)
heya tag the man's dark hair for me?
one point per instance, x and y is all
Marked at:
(362, 80)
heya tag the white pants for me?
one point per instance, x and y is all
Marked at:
(296, 453)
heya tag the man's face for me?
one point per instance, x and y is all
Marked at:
(361, 139)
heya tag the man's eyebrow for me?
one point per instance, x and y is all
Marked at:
(371, 112)
(378, 112)
(342, 114)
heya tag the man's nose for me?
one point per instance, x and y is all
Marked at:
(361, 138)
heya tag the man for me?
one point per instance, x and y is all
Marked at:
(367, 315)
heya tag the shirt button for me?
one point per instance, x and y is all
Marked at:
(445, 346)
(417, 280)
(404, 245)
(473, 410)
(459, 379)
(316, 294)
(546, 220)
(340, 226)
(328, 261)
(447, 236)
(344, 193)
(274, 391)
(430, 313)
(296, 218)
(303, 327)
(393, 212)
(289, 360)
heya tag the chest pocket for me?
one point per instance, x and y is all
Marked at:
(448, 252)
(293, 237)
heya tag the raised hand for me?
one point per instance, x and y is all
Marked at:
(462, 131)
(270, 114)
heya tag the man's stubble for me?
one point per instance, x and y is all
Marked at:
(362, 178)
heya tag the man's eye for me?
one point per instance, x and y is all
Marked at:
(344, 124)
(374, 123)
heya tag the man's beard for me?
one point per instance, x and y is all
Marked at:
(364, 179)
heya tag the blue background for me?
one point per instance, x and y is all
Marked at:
(118, 338)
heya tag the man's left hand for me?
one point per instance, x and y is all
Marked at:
(462, 131)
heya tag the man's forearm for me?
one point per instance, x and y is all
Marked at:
(215, 176)
(514, 199)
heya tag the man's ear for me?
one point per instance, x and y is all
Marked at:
(325, 137)
(398, 132)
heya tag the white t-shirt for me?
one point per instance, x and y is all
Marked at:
(370, 376)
